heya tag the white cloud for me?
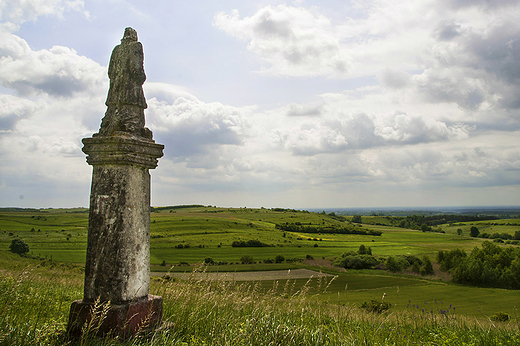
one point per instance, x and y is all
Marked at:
(435, 109)
(12, 109)
(291, 41)
(191, 127)
(312, 139)
(59, 71)
(20, 11)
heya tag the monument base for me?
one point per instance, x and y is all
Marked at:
(123, 320)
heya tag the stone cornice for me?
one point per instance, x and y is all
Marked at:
(122, 150)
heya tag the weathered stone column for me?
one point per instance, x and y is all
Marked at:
(117, 270)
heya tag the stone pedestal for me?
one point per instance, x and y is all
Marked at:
(124, 320)
(117, 269)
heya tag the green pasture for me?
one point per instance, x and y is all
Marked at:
(204, 232)
(209, 232)
(509, 226)
(405, 293)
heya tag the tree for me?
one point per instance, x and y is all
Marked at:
(246, 259)
(459, 231)
(19, 246)
(279, 258)
(416, 268)
(392, 265)
(473, 231)
(428, 267)
(357, 219)
(426, 228)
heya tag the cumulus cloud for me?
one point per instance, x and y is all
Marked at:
(310, 109)
(394, 79)
(291, 41)
(191, 127)
(447, 31)
(19, 11)
(475, 67)
(402, 128)
(311, 139)
(59, 71)
(436, 86)
(12, 109)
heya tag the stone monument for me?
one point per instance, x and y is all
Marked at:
(117, 270)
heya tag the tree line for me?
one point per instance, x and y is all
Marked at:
(333, 229)
(491, 266)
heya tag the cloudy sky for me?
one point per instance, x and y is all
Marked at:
(297, 104)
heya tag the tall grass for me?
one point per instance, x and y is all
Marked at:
(34, 307)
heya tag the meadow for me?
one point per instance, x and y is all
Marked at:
(35, 297)
(209, 232)
(183, 238)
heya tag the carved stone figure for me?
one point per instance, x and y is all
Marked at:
(125, 101)
(117, 266)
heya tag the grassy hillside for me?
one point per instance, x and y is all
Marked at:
(210, 231)
(204, 232)
(35, 301)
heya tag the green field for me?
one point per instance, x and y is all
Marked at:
(204, 232)
(210, 231)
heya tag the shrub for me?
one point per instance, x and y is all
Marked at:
(279, 258)
(351, 260)
(392, 265)
(249, 243)
(19, 246)
(246, 259)
(500, 317)
(209, 260)
(363, 250)
(375, 306)
(428, 267)
(411, 259)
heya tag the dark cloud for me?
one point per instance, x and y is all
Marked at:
(497, 52)
(359, 131)
(8, 121)
(58, 86)
(451, 85)
(191, 127)
(488, 4)
(447, 31)
(394, 79)
(475, 67)
(12, 109)
(267, 25)
(304, 110)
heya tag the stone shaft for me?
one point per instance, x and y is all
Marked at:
(118, 251)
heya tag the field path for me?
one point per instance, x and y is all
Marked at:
(250, 276)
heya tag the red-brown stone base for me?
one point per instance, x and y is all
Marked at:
(124, 320)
